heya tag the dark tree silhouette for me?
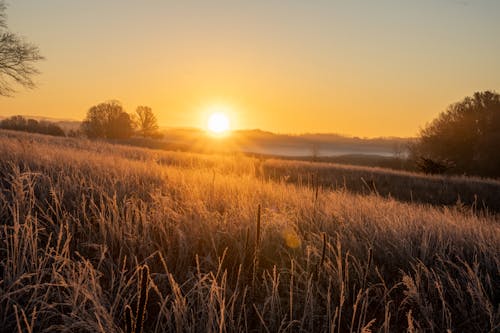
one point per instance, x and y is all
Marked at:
(108, 120)
(19, 123)
(467, 135)
(17, 58)
(146, 123)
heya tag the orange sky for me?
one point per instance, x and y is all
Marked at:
(360, 68)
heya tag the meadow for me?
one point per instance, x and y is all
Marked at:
(99, 237)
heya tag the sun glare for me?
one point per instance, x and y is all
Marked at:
(218, 123)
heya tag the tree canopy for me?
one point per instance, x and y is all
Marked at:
(108, 120)
(17, 58)
(466, 135)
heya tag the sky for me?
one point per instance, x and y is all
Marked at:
(360, 68)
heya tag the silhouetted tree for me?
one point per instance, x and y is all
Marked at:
(19, 123)
(107, 120)
(146, 123)
(466, 135)
(16, 58)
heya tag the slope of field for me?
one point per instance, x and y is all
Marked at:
(474, 192)
(228, 247)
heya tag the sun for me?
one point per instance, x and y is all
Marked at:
(218, 123)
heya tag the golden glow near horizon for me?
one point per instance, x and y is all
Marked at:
(218, 123)
(373, 68)
(218, 118)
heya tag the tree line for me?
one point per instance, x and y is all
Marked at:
(108, 120)
(20, 123)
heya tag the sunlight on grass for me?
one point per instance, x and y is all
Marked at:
(93, 229)
(291, 238)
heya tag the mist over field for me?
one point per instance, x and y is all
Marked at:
(301, 145)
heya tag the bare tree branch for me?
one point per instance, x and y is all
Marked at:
(17, 59)
(146, 122)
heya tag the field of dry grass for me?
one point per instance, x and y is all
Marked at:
(101, 238)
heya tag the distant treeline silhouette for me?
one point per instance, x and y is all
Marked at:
(109, 120)
(19, 123)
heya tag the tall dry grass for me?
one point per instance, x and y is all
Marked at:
(476, 193)
(225, 250)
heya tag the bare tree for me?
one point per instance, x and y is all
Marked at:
(146, 122)
(17, 58)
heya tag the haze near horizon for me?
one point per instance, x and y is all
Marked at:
(355, 68)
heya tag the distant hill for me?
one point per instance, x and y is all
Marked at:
(267, 143)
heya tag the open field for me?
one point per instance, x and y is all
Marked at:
(234, 243)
